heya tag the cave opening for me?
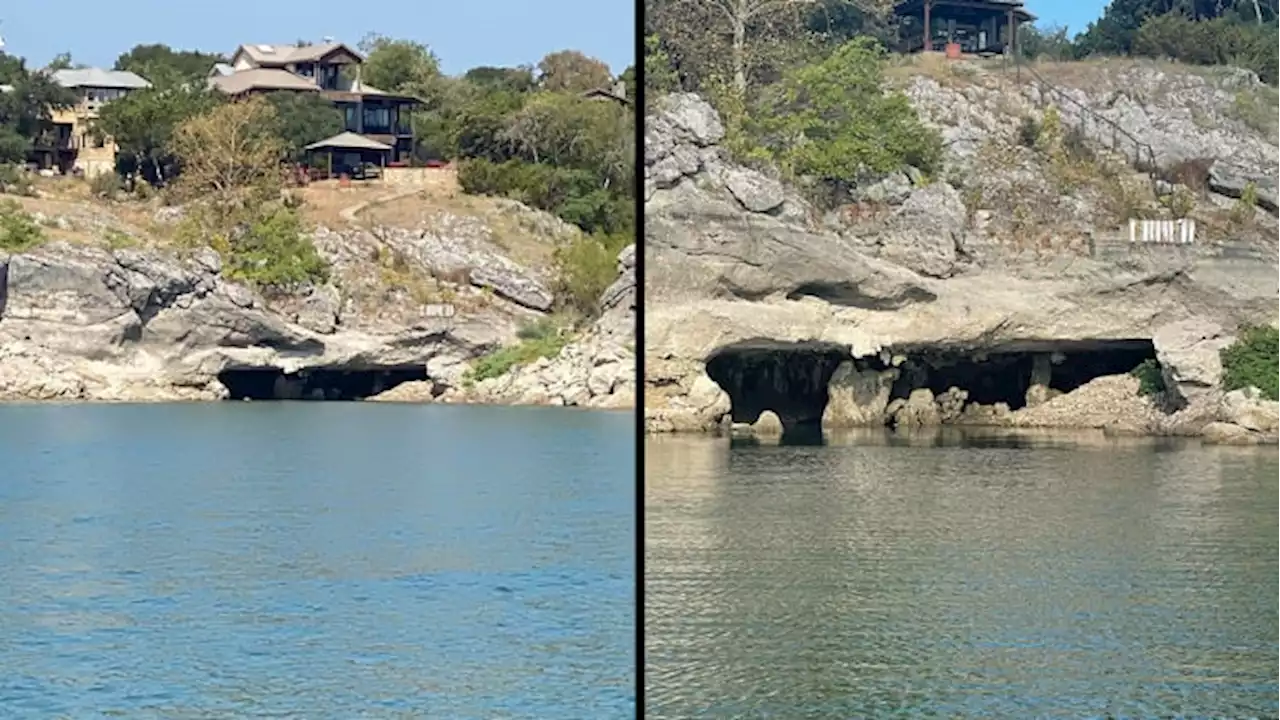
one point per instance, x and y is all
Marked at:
(343, 383)
(789, 378)
(1006, 373)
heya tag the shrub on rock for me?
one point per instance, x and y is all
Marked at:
(1253, 360)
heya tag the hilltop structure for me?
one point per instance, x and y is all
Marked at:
(332, 69)
(72, 145)
(966, 26)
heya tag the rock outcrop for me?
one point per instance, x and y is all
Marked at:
(911, 268)
(408, 309)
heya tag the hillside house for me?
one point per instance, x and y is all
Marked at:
(72, 143)
(976, 27)
(616, 93)
(333, 70)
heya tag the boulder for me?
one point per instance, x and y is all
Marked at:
(1221, 433)
(1189, 352)
(1248, 409)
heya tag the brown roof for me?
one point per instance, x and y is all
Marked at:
(1016, 6)
(348, 141)
(268, 55)
(260, 79)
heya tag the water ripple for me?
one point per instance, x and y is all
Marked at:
(303, 560)
(881, 579)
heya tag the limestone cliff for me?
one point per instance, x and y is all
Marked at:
(106, 312)
(997, 293)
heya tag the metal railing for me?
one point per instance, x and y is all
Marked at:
(1143, 158)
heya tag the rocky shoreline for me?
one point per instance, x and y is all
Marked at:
(918, 305)
(154, 323)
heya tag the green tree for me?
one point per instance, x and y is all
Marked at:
(572, 71)
(164, 66)
(834, 121)
(62, 61)
(660, 75)
(25, 110)
(517, 79)
(302, 118)
(400, 66)
(142, 125)
(569, 131)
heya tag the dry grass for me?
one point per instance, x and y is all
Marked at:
(510, 229)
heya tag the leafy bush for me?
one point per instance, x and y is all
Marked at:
(18, 230)
(1253, 360)
(1220, 41)
(275, 252)
(262, 244)
(572, 195)
(539, 340)
(587, 267)
(106, 185)
(1028, 132)
(834, 120)
(1150, 377)
(1050, 43)
(15, 180)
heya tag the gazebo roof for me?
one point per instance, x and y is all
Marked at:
(1018, 7)
(348, 141)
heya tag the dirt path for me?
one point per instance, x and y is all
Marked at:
(350, 213)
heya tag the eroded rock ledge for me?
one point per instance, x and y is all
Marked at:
(760, 313)
(89, 323)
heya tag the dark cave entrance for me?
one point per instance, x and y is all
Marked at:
(793, 378)
(789, 378)
(1005, 373)
(315, 383)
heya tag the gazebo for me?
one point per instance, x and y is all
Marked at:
(972, 26)
(348, 153)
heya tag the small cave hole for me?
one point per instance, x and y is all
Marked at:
(315, 383)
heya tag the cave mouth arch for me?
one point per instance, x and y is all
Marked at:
(1004, 373)
(334, 384)
(789, 378)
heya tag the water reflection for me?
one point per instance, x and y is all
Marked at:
(998, 575)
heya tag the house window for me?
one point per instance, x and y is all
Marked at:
(377, 119)
(307, 69)
(329, 77)
(352, 119)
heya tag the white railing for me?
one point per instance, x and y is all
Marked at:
(1171, 232)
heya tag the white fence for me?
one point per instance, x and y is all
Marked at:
(1171, 232)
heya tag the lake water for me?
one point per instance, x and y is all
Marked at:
(1064, 576)
(316, 560)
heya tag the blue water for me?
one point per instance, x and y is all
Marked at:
(316, 560)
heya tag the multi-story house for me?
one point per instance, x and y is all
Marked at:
(72, 143)
(333, 70)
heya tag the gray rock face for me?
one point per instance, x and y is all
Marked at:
(925, 272)
(458, 249)
(1189, 355)
(86, 323)
(926, 232)
(596, 370)
(756, 192)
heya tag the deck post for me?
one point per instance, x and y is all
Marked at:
(928, 31)
(1013, 34)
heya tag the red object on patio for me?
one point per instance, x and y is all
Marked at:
(344, 180)
(953, 51)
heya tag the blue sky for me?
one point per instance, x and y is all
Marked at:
(463, 33)
(1074, 14)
